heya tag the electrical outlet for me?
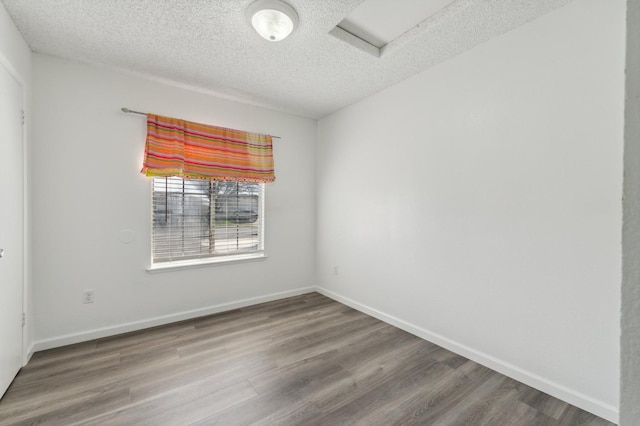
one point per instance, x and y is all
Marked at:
(336, 270)
(88, 296)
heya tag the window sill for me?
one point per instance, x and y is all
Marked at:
(201, 263)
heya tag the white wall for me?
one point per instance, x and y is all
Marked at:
(13, 48)
(15, 55)
(87, 189)
(630, 339)
(478, 204)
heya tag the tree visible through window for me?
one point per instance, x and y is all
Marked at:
(195, 218)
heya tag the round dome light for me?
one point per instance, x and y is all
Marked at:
(274, 20)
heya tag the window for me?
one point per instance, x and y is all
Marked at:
(195, 219)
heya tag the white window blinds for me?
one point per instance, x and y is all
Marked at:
(196, 219)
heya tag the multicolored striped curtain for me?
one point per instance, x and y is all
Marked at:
(198, 151)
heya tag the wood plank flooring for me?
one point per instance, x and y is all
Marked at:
(306, 360)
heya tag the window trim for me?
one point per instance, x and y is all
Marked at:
(182, 264)
(176, 265)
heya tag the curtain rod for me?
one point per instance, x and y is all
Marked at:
(130, 111)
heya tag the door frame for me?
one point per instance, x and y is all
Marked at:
(27, 341)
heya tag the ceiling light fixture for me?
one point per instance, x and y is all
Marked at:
(274, 20)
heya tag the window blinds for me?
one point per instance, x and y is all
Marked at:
(195, 218)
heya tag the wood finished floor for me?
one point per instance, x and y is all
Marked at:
(306, 360)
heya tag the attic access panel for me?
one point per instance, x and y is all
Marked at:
(376, 23)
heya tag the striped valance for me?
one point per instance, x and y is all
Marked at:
(182, 148)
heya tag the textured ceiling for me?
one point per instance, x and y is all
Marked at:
(209, 45)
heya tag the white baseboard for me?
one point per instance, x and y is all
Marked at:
(557, 390)
(29, 353)
(84, 336)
